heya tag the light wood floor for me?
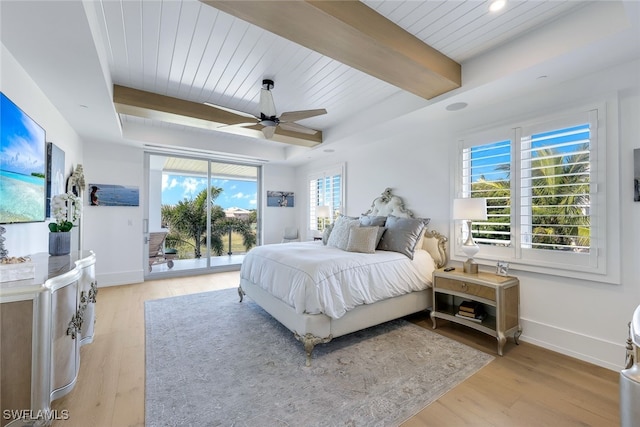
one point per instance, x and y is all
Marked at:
(528, 386)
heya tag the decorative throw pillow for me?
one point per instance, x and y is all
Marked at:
(339, 236)
(421, 239)
(401, 235)
(368, 220)
(326, 233)
(362, 239)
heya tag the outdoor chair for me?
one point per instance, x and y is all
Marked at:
(157, 253)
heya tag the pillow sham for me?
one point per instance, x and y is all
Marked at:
(401, 235)
(369, 220)
(339, 236)
(362, 239)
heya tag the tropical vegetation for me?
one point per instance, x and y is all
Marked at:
(559, 198)
(187, 224)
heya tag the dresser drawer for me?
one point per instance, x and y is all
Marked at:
(463, 287)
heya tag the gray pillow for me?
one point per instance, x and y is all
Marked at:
(362, 239)
(339, 236)
(368, 221)
(401, 235)
(326, 233)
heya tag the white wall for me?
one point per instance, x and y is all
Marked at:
(114, 233)
(584, 319)
(15, 83)
(275, 219)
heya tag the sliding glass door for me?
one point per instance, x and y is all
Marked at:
(202, 214)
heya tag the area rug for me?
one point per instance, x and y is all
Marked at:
(213, 361)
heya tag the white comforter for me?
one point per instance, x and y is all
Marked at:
(313, 278)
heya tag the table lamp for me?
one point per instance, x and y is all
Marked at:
(322, 212)
(469, 210)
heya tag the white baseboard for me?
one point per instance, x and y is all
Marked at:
(120, 278)
(594, 350)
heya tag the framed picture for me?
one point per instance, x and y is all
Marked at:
(113, 195)
(636, 175)
(282, 199)
(502, 268)
(55, 173)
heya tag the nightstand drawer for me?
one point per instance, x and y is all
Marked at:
(465, 288)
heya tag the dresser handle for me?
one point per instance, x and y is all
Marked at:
(464, 286)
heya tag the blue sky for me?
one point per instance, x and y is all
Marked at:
(240, 194)
(22, 141)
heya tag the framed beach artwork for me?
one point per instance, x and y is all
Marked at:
(113, 195)
(282, 199)
(55, 173)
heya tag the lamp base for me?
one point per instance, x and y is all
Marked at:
(470, 266)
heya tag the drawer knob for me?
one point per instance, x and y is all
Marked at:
(464, 286)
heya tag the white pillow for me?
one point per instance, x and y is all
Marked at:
(339, 236)
(363, 239)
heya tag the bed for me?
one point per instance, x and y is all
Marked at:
(321, 290)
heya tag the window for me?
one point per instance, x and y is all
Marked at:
(326, 188)
(543, 204)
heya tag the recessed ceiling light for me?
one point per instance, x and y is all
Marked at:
(497, 5)
(542, 77)
(456, 106)
(329, 150)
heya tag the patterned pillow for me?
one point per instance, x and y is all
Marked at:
(362, 239)
(326, 233)
(339, 236)
(402, 235)
(369, 220)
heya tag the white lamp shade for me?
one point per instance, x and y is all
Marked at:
(322, 211)
(470, 209)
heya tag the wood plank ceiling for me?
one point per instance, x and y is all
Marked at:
(194, 52)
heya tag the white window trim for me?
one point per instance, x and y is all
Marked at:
(604, 264)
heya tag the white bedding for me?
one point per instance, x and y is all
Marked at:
(313, 278)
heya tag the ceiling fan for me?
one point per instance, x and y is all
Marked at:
(270, 120)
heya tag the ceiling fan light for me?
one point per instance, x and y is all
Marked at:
(268, 123)
(267, 107)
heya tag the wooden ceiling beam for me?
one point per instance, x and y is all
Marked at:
(150, 105)
(354, 34)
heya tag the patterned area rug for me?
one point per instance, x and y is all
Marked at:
(212, 361)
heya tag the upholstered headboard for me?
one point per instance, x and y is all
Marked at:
(389, 204)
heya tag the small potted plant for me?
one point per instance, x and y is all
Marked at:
(66, 209)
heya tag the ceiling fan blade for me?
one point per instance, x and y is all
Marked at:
(294, 116)
(231, 110)
(268, 131)
(295, 127)
(267, 106)
(242, 125)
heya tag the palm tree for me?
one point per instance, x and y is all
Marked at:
(560, 199)
(187, 223)
(187, 220)
(224, 226)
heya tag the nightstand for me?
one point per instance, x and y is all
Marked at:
(497, 296)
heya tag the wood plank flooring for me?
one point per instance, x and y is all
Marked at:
(528, 386)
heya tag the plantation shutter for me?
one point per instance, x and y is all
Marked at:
(486, 173)
(325, 189)
(555, 189)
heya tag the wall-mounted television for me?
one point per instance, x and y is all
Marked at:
(22, 166)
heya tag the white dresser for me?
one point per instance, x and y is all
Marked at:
(47, 318)
(630, 377)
